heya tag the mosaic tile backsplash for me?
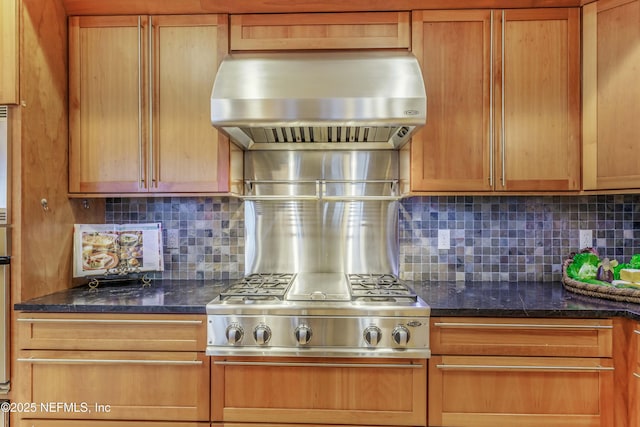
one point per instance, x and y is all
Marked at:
(492, 237)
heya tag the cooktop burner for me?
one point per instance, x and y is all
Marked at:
(379, 288)
(260, 286)
(319, 314)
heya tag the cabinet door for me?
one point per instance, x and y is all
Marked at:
(9, 37)
(320, 31)
(611, 90)
(452, 152)
(478, 391)
(117, 385)
(107, 82)
(188, 153)
(537, 99)
(634, 378)
(319, 391)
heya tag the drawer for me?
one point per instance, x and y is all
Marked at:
(116, 385)
(483, 391)
(319, 391)
(49, 331)
(521, 337)
(95, 423)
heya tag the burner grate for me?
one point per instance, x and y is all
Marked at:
(259, 286)
(380, 287)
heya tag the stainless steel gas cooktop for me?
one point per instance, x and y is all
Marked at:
(319, 314)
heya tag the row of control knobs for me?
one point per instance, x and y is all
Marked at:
(262, 334)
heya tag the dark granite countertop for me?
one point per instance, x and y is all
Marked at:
(502, 299)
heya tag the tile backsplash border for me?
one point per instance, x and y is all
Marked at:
(493, 238)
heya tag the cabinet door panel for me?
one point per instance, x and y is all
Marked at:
(9, 37)
(538, 100)
(320, 31)
(611, 87)
(339, 391)
(188, 152)
(106, 91)
(128, 385)
(477, 391)
(452, 151)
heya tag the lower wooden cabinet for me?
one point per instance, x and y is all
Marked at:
(111, 370)
(117, 385)
(479, 391)
(634, 377)
(319, 391)
(524, 372)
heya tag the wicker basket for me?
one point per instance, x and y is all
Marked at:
(598, 291)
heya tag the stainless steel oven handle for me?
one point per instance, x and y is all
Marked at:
(114, 321)
(68, 361)
(320, 364)
(517, 325)
(467, 367)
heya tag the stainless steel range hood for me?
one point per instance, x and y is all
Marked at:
(321, 100)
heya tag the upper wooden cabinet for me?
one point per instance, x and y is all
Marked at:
(139, 110)
(320, 31)
(611, 95)
(503, 100)
(9, 52)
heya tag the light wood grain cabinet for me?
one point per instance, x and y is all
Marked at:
(634, 377)
(503, 100)
(312, 31)
(527, 372)
(611, 90)
(120, 367)
(139, 114)
(316, 391)
(9, 52)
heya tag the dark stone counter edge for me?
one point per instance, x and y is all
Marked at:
(124, 309)
(453, 299)
(448, 312)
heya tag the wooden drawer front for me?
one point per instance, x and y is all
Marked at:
(322, 391)
(96, 423)
(480, 391)
(134, 385)
(320, 31)
(111, 332)
(636, 343)
(522, 337)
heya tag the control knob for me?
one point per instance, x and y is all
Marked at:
(262, 334)
(234, 333)
(400, 335)
(372, 335)
(303, 334)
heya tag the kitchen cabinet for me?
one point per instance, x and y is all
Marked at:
(113, 367)
(503, 100)
(528, 372)
(361, 391)
(611, 89)
(634, 377)
(9, 51)
(139, 110)
(305, 31)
